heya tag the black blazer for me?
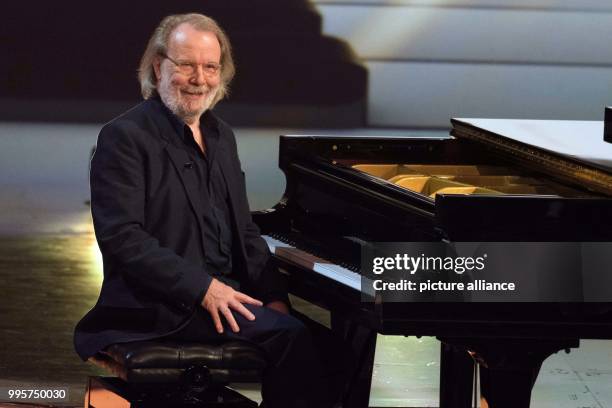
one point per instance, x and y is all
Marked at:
(147, 218)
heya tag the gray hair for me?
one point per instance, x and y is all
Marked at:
(158, 45)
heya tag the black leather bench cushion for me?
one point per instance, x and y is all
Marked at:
(168, 362)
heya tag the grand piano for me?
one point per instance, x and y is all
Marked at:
(490, 181)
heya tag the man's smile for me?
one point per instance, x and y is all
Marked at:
(192, 93)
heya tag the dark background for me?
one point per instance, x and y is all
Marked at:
(77, 61)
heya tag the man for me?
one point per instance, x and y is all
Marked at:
(172, 221)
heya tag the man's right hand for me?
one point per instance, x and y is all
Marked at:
(222, 299)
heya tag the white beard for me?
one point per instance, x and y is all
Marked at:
(171, 97)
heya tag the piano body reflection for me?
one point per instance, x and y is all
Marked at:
(495, 180)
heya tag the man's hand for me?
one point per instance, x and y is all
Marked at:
(221, 298)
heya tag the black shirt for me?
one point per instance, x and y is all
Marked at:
(213, 190)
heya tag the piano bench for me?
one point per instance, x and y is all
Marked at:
(160, 373)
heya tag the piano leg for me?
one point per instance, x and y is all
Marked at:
(507, 388)
(456, 377)
(509, 367)
(363, 344)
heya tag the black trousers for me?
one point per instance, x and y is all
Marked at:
(296, 376)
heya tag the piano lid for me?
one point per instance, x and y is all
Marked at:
(573, 151)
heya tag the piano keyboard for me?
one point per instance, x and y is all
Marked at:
(330, 270)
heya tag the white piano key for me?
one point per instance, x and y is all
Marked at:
(335, 272)
(339, 274)
(274, 243)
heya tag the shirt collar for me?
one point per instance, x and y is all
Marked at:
(208, 120)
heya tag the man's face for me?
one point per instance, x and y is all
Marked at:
(188, 95)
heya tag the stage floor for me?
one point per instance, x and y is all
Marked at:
(50, 274)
